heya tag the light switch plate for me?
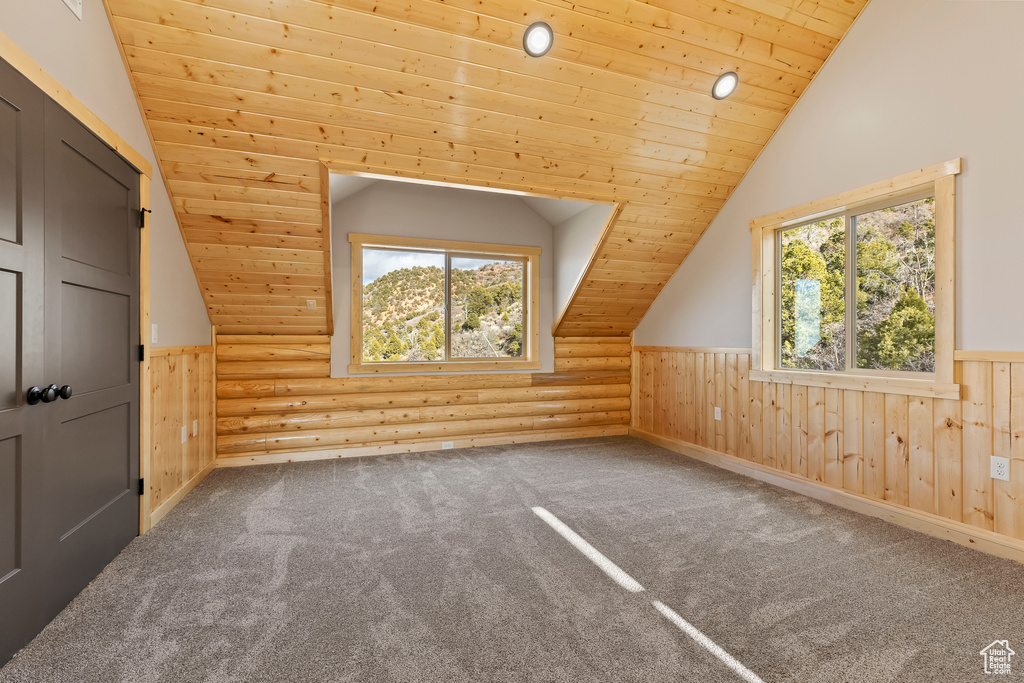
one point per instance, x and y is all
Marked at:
(311, 304)
(75, 6)
(184, 433)
(718, 413)
(195, 427)
(152, 334)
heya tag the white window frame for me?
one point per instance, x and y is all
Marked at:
(938, 181)
(530, 256)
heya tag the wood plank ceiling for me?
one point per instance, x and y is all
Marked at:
(245, 98)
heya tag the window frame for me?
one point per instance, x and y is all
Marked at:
(938, 181)
(530, 256)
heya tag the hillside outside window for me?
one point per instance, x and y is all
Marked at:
(870, 272)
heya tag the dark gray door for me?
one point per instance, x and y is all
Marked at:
(91, 440)
(22, 509)
(69, 283)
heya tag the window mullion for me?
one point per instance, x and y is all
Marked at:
(447, 306)
(851, 291)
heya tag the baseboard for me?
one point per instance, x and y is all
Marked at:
(939, 527)
(385, 449)
(166, 506)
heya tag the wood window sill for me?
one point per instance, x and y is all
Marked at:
(884, 385)
(449, 366)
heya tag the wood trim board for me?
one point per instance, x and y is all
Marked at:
(873, 192)
(693, 349)
(179, 350)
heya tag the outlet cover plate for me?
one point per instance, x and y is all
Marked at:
(1000, 468)
(718, 413)
(75, 6)
(445, 445)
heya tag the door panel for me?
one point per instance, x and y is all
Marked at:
(92, 322)
(9, 346)
(95, 357)
(10, 163)
(22, 469)
(95, 474)
(92, 196)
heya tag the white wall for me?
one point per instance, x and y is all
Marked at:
(412, 210)
(83, 57)
(914, 83)
(574, 240)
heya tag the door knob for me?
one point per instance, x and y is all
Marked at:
(49, 394)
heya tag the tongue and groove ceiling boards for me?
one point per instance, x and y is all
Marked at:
(245, 98)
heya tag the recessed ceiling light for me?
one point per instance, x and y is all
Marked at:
(725, 85)
(538, 39)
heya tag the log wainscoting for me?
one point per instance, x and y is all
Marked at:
(276, 402)
(178, 426)
(920, 462)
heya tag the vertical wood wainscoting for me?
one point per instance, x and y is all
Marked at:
(180, 393)
(276, 402)
(920, 462)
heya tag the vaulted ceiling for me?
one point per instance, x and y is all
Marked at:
(245, 100)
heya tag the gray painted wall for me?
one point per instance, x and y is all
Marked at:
(83, 57)
(412, 210)
(574, 240)
(914, 83)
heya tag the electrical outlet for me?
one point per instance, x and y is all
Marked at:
(1000, 468)
(184, 433)
(75, 6)
(718, 413)
(311, 304)
(153, 336)
(445, 445)
(195, 427)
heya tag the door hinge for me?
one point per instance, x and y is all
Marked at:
(142, 352)
(142, 217)
(142, 487)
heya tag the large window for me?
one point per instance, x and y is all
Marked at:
(871, 272)
(856, 290)
(435, 305)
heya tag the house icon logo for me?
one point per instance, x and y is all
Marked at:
(997, 657)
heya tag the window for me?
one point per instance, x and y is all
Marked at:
(856, 291)
(420, 304)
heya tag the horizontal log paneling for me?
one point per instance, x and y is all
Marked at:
(244, 100)
(181, 395)
(272, 398)
(928, 455)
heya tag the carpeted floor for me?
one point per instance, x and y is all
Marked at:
(432, 567)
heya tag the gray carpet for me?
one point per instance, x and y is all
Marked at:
(432, 567)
